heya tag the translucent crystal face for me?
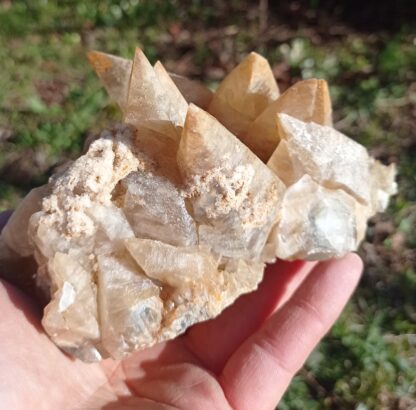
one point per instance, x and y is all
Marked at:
(150, 217)
(169, 217)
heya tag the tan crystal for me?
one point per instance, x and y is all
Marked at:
(246, 91)
(193, 91)
(114, 73)
(172, 265)
(234, 196)
(307, 100)
(15, 232)
(151, 103)
(168, 218)
(178, 103)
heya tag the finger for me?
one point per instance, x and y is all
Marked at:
(257, 375)
(214, 341)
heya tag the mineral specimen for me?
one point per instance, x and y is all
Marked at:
(170, 216)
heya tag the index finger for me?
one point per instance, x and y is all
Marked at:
(258, 373)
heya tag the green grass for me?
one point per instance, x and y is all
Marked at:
(50, 101)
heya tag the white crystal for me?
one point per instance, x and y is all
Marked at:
(154, 218)
(76, 324)
(329, 157)
(383, 184)
(67, 297)
(129, 305)
(315, 222)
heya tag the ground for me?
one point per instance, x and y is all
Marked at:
(50, 101)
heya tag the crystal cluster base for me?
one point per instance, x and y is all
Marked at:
(169, 217)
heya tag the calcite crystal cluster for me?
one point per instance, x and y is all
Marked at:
(170, 216)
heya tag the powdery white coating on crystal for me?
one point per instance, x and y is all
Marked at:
(234, 196)
(233, 185)
(78, 220)
(167, 219)
(91, 179)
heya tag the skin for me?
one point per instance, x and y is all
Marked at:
(243, 359)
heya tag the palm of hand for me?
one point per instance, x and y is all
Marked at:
(244, 359)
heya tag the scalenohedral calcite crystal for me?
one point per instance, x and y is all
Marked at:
(170, 216)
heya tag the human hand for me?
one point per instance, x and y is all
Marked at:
(243, 359)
